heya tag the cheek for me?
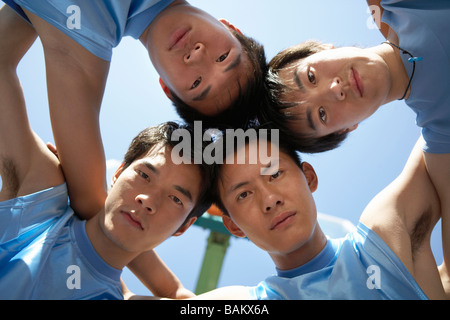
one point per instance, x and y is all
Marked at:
(117, 196)
(167, 220)
(377, 73)
(171, 69)
(384, 83)
(178, 80)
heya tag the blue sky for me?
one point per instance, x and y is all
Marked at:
(349, 177)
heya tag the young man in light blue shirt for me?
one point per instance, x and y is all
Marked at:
(387, 257)
(323, 92)
(48, 252)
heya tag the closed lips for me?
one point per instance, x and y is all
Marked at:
(281, 219)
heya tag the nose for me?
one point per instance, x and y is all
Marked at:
(337, 89)
(195, 53)
(271, 199)
(147, 203)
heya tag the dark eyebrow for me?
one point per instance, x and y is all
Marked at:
(231, 66)
(310, 119)
(241, 184)
(184, 192)
(202, 95)
(176, 187)
(237, 186)
(297, 80)
(234, 64)
(300, 85)
(151, 167)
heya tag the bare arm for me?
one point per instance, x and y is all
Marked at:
(157, 277)
(76, 81)
(438, 166)
(26, 166)
(404, 215)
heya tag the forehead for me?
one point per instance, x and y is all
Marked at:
(327, 55)
(161, 157)
(251, 162)
(329, 60)
(159, 153)
(299, 103)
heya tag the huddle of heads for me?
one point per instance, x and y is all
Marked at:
(166, 135)
(265, 98)
(261, 104)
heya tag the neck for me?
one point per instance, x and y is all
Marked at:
(398, 74)
(107, 249)
(303, 254)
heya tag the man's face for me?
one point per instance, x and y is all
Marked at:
(335, 89)
(150, 200)
(198, 58)
(275, 211)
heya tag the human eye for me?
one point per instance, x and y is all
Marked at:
(322, 115)
(311, 76)
(196, 83)
(143, 175)
(243, 195)
(275, 175)
(222, 57)
(176, 200)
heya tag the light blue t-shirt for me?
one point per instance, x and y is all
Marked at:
(45, 252)
(423, 28)
(97, 25)
(358, 267)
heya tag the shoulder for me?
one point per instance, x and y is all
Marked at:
(35, 209)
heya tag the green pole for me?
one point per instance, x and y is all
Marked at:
(216, 249)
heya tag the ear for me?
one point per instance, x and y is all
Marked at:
(165, 88)
(311, 176)
(232, 227)
(230, 25)
(117, 174)
(348, 130)
(185, 227)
